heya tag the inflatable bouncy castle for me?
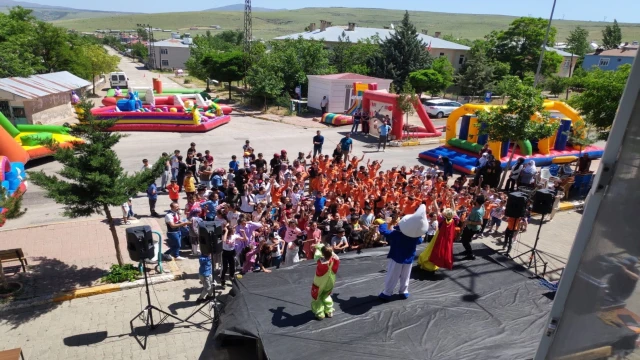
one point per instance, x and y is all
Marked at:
(12, 180)
(463, 147)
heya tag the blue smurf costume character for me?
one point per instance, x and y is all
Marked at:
(403, 240)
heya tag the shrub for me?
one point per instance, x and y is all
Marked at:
(121, 273)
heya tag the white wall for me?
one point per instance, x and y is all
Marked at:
(317, 89)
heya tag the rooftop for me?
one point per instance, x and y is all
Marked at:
(41, 85)
(626, 52)
(345, 76)
(178, 43)
(559, 52)
(332, 33)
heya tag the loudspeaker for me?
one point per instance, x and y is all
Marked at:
(209, 236)
(140, 243)
(543, 200)
(516, 205)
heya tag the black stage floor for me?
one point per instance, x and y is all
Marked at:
(482, 309)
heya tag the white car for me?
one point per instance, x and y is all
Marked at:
(440, 108)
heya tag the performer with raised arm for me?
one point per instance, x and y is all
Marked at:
(403, 240)
(439, 252)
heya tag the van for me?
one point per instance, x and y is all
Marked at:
(118, 79)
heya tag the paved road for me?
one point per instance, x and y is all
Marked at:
(138, 75)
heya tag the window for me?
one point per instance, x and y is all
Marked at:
(441, 54)
(164, 51)
(114, 77)
(19, 112)
(604, 62)
(566, 64)
(165, 63)
(461, 60)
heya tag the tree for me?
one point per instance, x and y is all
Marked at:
(406, 100)
(92, 178)
(203, 45)
(443, 67)
(225, 66)
(612, 36)
(13, 210)
(231, 37)
(556, 85)
(581, 136)
(427, 80)
(512, 122)
(143, 34)
(402, 53)
(297, 58)
(520, 46)
(346, 56)
(139, 50)
(98, 61)
(476, 74)
(265, 80)
(598, 102)
(578, 42)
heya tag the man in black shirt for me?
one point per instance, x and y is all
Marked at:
(318, 140)
(260, 163)
(275, 164)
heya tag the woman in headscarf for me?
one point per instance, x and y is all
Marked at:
(515, 174)
(527, 176)
(439, 252)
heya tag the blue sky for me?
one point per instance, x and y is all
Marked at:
(595, 10)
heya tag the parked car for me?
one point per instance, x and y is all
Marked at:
(118, 79)
(440, 108)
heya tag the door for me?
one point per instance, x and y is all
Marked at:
(347, 97)
(5, 110)
(19, 115)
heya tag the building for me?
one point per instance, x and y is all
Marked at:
(172, 53)
(43, 99)
(610, 59)
(568, 63)
(337, 88)
(456, 53)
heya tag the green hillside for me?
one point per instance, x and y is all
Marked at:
(267, 25)
(46, 14)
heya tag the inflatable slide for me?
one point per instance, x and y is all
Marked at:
(463, 148)
(12, 177)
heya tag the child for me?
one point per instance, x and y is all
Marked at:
(206, 278)
(194, 230)
(510, 233)
(496, 215)
(323, 282)
(174, 190)
(249, 255)
(189, 183)
(233, 164)
(339, 241)
(127, 212)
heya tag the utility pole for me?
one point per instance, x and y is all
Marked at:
(544, 47)
(248, 37)
(151, 62)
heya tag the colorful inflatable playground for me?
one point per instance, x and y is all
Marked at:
(463, 148)
(146, 109)
(12, 177)
(378, 103)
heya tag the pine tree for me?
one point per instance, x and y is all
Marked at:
(612, 36)
(92, 178)
(402, 53)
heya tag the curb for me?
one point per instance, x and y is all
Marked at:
(570, 205)
(432, 141)
(95, 290)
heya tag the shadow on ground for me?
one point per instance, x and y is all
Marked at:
(45, 278)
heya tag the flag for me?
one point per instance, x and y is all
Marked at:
(429, 47)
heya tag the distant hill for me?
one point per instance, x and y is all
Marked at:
(51, 13)
(270, 24)
(240, 7)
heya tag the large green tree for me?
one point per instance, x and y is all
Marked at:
(402, 53)
(612, 36)
(346, 56)
(427, 81)
(297, 58)
(512, 122)
(578, 42)
(204, 45)
(92, 179)
(520, 46)
(264, 79)
(98, 61)
(600, 97)
(225, 66)
(476, 74)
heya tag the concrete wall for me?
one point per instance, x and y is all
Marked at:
(53, 115)
(317, 89)
(565, 68)
(452, 55)
(614, 61)
(48, 109)
(175, 56)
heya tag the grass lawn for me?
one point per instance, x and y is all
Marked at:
(267, 25)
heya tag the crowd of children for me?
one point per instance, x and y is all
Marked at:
(276, 210)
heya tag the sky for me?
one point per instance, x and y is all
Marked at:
(594, 10)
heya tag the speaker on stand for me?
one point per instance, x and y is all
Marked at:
(516, 204)
(542, 203)
(140, 248)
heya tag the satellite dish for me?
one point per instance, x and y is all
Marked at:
(392, 27)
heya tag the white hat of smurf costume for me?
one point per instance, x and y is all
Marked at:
(416, 224)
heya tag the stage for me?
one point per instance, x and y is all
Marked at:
(482, 309)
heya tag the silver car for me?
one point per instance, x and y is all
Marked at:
(440, 108)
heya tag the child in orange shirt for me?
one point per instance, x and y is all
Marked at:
(174, 190)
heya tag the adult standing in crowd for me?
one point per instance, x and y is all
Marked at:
(384, 129)
(318, 141)
(346, 146)
(166, 173)
(324, 104)
(174, 231)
